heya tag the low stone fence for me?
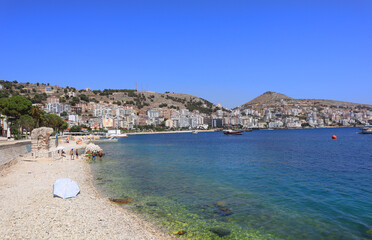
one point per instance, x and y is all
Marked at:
(10, 151)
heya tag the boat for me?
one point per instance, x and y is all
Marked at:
(194, 132)
(233, 132)
(106, 140)
(367, 130)
(115, 133)
(248, 130)
(118, 135)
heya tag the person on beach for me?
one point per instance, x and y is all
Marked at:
(93, 156)
(72, 154)
(77, 154)
(100, 154)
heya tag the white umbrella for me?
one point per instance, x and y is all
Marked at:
(60, 148)
(65, 188)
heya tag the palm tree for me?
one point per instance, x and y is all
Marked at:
(36, 114)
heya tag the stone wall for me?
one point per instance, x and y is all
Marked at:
(40, 141)
(10, 151)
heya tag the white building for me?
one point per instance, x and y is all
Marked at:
(73, 118)
(55, 108)
(153, 113)
(276, 124)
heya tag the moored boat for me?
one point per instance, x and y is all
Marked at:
(367, 130)
(106, 140)
(233, 132)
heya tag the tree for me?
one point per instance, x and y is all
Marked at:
(75, 128)
(305, 125)
(53, 121)
(36, 113)
(84, 97)
(27, 122)
(64, 126)
(74, 101)
(14, 107)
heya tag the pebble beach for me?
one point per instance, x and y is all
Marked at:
(28, 209)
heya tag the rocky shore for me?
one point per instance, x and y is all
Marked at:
(28, 209)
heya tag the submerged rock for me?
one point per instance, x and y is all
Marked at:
(99, 178)
(121, 200)
(152, 204)
(221, 204)
(182, 232)
(223, 212)
(221, 232)
(369, 232)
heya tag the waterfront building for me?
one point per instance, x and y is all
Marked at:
(276, 124)
(193, 123)
(184, 122)
(216, 123)
(185, 112)
(108, 122)
(153, 113)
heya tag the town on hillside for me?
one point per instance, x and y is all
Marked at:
(144, 110)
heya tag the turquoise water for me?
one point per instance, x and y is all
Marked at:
(281, 184)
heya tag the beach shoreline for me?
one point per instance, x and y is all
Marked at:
(28, 209)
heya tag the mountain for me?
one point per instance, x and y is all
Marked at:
(273, 99)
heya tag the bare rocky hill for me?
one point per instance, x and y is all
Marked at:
(267, 98)
(273, 99)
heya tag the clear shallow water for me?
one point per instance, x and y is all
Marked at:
(287, 184)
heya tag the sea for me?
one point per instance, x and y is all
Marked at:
(266, 184)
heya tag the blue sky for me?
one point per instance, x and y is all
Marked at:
(227, 52)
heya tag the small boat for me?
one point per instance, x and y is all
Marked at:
(121, 135)
(248, 130)
(233, 132)
(106, 140)
(367, 130)
(194, 132)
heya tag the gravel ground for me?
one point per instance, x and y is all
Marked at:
(28, 209)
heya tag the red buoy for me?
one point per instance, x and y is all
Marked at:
(334, 137)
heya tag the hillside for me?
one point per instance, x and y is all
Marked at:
(142, 100)
(267, 98)
(273, 99)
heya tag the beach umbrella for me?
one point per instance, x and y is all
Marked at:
(60, 148)
(65, 188)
